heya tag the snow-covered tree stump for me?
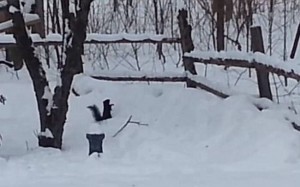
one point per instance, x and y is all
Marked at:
(95, 137)
(95, 143)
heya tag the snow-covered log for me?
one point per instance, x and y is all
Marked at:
(247, 60)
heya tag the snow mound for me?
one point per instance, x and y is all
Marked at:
(193, 126)
(81, 85)
(238, 132)
(191, 137)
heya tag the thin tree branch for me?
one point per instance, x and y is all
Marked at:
(123, 127)
(7, 63)
(128, 122)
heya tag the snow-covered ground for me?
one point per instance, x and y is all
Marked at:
(193, 139)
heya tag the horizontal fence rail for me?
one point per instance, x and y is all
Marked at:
(198, 81)
(7, 40)
(247, 60)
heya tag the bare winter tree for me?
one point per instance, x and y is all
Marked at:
(53, 20)
(220, 5)
(53, 107)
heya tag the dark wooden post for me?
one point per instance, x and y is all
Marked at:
(186, 42)
(296, 41)
(257, 45)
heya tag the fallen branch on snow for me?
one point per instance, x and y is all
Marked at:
(198, 81)
(125, 125)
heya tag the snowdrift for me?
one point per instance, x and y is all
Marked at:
(191, 134)
(191, 125)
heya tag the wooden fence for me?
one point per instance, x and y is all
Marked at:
(7, 40)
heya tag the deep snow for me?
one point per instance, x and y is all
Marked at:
(193, 139)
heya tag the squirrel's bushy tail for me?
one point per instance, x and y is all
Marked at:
(96, 113)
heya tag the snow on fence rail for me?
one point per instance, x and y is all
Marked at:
(108, 76)
(7, 40)
(30, 19)
(198, 81)
(289, 69)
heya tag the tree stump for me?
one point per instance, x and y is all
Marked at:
(95, 143)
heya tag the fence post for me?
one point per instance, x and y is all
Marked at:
(186, 43)
(257, 45)
(296, 41)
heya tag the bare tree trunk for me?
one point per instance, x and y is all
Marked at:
(34, 66)
(159, 30)
(116, 5)
(249, 21)
(57, 29)
(271, 15)
(186, 42)
(284, 30)
(220, 25)
(72, 66)
(48, 121)
(156, 16)
(53, 109)
(39, 27)
(12, 52)
(162, 30)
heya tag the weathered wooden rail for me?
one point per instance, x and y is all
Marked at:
(287, 69)
(254, 63)
(142, 78)
(258, 61)
(196, 80)
(263, 64)
(7, 40)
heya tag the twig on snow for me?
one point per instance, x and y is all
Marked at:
(128, 122)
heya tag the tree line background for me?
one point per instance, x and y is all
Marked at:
(278, 19)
